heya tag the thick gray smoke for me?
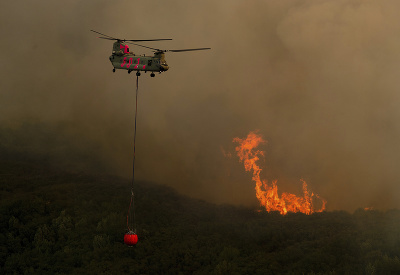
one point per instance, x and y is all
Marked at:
(319, 79)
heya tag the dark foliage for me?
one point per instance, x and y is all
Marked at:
(56, 222)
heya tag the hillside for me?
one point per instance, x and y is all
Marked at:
(57, 222)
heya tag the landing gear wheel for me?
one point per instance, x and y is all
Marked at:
(138, 74)
(129, 71)
(152, 75)
(114, 70)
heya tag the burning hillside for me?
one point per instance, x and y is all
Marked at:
(266, 193)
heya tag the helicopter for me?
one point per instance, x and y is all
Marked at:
(121, 57)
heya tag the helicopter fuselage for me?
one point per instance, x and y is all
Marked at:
(132, 62)
(122, 59)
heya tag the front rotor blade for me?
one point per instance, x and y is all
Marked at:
(188, 50)
(134, 40)
(108, 38)
(103, 34)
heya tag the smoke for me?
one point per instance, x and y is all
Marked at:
(319, 79)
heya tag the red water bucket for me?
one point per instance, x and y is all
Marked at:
(130, 239)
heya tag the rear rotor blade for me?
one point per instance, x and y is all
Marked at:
(144, 46)
(147, 40)
(159, 50)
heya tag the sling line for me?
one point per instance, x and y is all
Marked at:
(130, 219)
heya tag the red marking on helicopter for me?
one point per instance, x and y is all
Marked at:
(130, 62)
(138, 61)
(123, 62)
(125, 47)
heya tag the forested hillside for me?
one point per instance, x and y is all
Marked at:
(57, 222)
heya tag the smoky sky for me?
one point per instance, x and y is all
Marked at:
(318, 79)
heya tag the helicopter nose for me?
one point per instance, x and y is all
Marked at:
(164, 68)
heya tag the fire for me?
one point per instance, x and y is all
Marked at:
(266, 193)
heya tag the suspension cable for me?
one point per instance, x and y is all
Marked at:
(131, 212)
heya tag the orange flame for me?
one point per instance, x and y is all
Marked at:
(268, 194)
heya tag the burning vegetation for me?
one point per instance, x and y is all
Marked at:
(267, 194)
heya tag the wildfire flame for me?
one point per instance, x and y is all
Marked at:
(268, 194)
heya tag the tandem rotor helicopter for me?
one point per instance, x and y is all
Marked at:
(122, 58)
